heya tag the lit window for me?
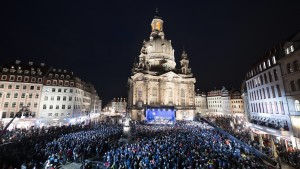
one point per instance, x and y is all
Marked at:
(297, 105)
(269, 63)
(291, 48)
(287, 51)
(274, 60)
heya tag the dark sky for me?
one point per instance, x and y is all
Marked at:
(98, 40)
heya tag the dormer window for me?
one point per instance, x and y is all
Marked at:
(40, 80)
(269, 63)
(56, 75)
(33, 72)
(54, 82)
(26, 72)
(12, 70)
(68, 76)
(274, 60)
(291, 48)
(5, 70)
(50, 75)
(19, 71)
(62, 76)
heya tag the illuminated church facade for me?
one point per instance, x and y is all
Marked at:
(158, 91)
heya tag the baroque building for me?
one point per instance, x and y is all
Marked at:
(116, 105)
(218, 102)
(54, 96)
(157, 89)
(201, 103)
(236, 103)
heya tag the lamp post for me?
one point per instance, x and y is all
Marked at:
(24, 111)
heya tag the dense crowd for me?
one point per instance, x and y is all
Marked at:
(55, 145)
(183, 145)
(75, 147)
(287, 154)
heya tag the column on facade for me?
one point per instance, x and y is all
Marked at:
(251, 136)
(261, 143)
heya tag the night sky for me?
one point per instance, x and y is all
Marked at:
(98, 40)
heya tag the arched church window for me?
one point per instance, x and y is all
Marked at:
(170, 96)
(140, 93)
(154, 94)
(182, 97)
(297, 105)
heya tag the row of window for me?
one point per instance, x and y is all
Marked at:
(263, 79)
(289, 49)
(21, 104)
(238, 101)
(17, 87)
(16, 95)
(59, 83)
(20, 78)
(64, 98)
(268, 107)
(265, 93)
(56, 114)
(261, 67)
(236, 106)
(62, 106)
(11, 115)
(61, 76)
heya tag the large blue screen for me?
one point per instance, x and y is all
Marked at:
(160, 115)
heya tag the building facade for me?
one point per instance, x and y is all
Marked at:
(116, 105)
(290, 69)
(236, 103)
(201, 103)
(218, 102)
(156, 87)
(269, 88)
(52, 95)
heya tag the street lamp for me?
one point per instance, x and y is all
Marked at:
(23, 112)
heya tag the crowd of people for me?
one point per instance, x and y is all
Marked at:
(182, 145)
(56, 145)
(286, 154)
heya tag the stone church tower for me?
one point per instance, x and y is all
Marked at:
(158, 91)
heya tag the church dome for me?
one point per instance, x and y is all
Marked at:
(158, 52)
(159, 46)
